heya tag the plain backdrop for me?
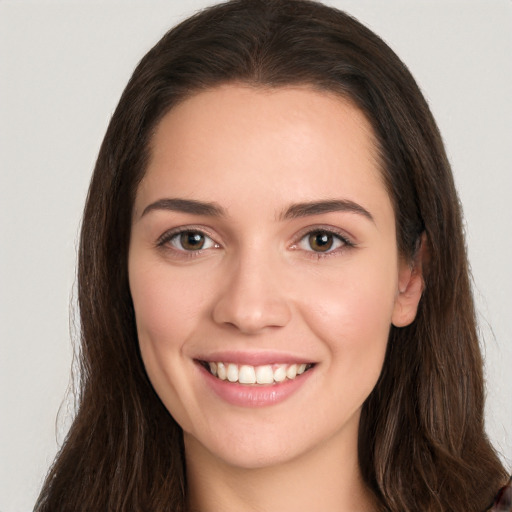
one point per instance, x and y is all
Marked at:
(63, 65)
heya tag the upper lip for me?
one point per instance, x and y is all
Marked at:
(253, 358)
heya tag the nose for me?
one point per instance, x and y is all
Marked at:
(253, 297)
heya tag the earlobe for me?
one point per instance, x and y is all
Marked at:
(410, 286)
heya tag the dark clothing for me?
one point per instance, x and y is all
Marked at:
(503, 501)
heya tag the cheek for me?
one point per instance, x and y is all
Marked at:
(166, 308)
(353, 317)
(358, 300)
(166, 312)
(156, 318)
(154, 310)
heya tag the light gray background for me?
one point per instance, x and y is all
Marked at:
(63, 65)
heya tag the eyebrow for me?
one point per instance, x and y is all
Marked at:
(294, 211)
(185, 206)
(298, 210)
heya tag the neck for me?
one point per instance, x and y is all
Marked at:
(322, 479)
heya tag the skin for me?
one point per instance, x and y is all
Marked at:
(259, 285)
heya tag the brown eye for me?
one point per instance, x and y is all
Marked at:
(192, 240)
(321, 241)
(189, 241)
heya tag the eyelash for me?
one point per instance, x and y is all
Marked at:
(345, 243)
(168, 236)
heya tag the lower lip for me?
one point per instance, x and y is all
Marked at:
(244, 395)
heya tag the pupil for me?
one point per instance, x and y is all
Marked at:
(321, 241)
(192, 241)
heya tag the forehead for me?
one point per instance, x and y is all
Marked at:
(282, 143)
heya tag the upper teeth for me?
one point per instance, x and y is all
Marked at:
(265, 374)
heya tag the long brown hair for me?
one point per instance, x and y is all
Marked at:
(422, 441)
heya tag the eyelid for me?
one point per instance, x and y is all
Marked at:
(346, 239)
(169, 234)
(342, 235)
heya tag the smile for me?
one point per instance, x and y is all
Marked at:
(264, 374)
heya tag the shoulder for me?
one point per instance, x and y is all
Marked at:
(503, 501)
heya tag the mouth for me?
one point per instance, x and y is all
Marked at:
(268, 374)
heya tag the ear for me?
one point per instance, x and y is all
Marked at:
(410, 285)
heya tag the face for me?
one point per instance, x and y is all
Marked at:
(264, 271)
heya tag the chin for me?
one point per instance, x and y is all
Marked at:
(248, 453)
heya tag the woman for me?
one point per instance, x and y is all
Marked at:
(274, 294)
